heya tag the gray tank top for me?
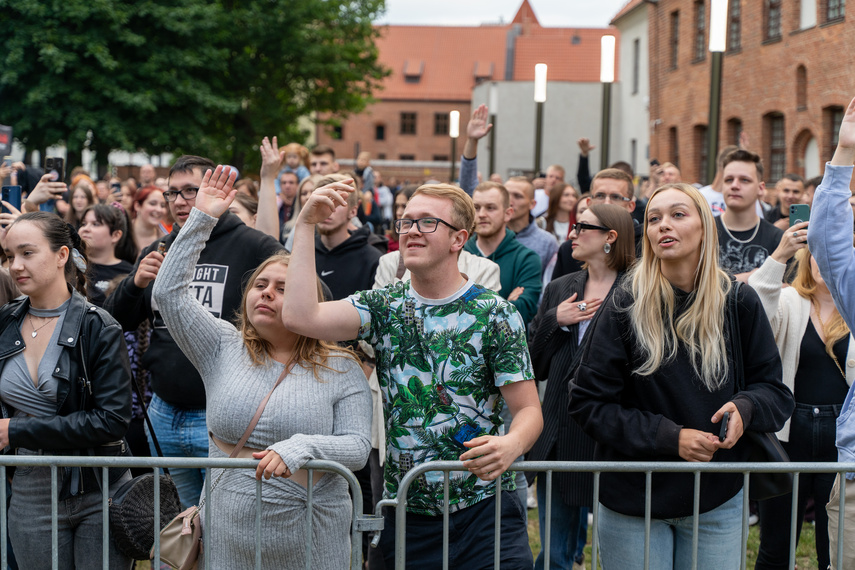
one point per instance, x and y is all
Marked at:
(16, 385)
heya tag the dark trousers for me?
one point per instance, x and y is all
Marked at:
(812, 434)
(471, 537)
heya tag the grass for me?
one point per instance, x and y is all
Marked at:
(805, 552)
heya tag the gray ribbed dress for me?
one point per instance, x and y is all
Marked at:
(304, 419)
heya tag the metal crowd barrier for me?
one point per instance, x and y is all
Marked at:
(360, 523)
(598, 467)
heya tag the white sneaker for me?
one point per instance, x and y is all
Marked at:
(590, 518)
(531, 497)
(753, 519)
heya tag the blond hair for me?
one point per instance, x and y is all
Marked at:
(462, 207)
(805, 285)
(700, 327)
(308, 352)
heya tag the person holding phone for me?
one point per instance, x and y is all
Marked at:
(655, 381)
(815, 345)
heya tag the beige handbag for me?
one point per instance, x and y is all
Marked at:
(181, 539)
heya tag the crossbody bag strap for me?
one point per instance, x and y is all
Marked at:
(736, 337)
(259, 411)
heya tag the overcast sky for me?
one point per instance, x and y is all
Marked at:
(558, 13)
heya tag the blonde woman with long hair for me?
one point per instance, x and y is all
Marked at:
(816, 349)
(654, 383)
(321, 409)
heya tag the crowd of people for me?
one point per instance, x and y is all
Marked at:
(485, 321)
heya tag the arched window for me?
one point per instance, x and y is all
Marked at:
(801, 88)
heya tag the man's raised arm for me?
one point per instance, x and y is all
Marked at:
(301, 311)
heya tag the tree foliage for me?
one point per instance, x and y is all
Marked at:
(185, 76)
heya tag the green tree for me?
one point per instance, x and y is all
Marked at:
(179, 76)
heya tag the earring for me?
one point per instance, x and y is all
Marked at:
(607, 247)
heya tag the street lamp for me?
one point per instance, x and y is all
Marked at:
(607, 77)
(539, 99)
(454, 132)
(493, 104)
(718, 41)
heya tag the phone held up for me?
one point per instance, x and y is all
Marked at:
(799, 213)
(12, 195)
(55, 166)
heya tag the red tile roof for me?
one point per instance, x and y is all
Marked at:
(446, 60)
(570, 54)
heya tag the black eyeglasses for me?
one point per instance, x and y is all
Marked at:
(579, 226)
(601, 197)
(186, 193)
(425, 225)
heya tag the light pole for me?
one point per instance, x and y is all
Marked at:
(607, 77)
(454, 132)
(539, 99)
(718, 41)
(493, 101)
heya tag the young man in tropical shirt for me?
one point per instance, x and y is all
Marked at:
(450, 355)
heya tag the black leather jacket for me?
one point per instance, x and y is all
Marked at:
(93, 407)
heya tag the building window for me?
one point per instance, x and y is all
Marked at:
(777, 146)
(381, 156)
(337, 132)
(633, 154)
(379, 132)
(832, 117)
(807, 14)
(408, 124)
(773, 20)
(734, 28)
(702, 146)
(440, 158)
(801, 88)
(406, 157)
(440, 124)
(673, 147)
(835, 10)
(636, 64)
(675, 37)
(700, 29)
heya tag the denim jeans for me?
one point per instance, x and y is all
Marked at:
(180, 433)
(719, 539)
(812, 433)
(79, 523)
(565, 521)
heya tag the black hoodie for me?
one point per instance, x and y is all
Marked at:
(350, 266)
(231, 255)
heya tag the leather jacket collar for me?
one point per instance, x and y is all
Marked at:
(10, 336)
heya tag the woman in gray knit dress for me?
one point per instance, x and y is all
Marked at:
(321, 410)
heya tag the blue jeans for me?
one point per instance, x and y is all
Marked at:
(79, 524)
(719, 539)
(564, 526)
(180, 433)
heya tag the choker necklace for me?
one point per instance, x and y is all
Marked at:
(756, 229)
(35, 332)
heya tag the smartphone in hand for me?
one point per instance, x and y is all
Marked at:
(11, 194)
(799, 213)
(722, 434)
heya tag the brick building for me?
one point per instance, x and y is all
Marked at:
(786, 81)
(434, 70)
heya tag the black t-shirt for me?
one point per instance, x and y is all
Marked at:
(818, 380)
(739, 252)
(100, 277)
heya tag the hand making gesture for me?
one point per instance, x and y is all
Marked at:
(216, 191)
(324, 201)
(271, 158)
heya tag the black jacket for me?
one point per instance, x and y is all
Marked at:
(231, 254)
(635, 418)
(94, 408)
(350, 266)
